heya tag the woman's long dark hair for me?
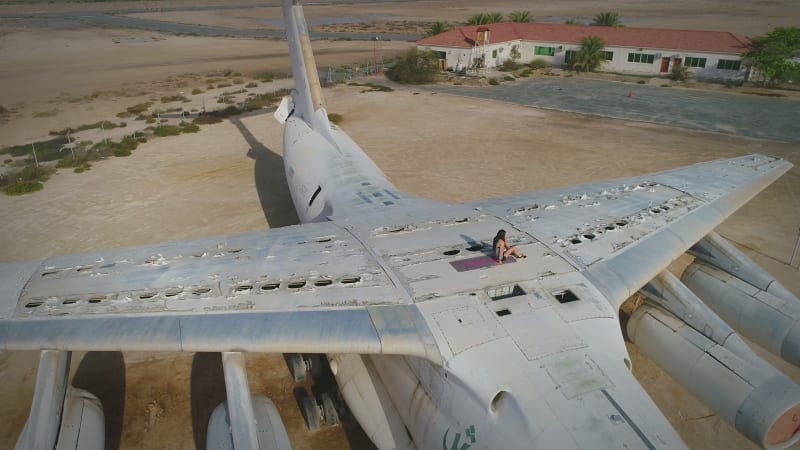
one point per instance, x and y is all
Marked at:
(501, 235)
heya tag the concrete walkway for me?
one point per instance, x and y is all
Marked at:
(736, 114)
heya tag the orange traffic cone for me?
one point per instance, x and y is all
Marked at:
(630, 93)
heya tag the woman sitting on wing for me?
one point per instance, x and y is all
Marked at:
(501, 248)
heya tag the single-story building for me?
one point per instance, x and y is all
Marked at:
(714, 55)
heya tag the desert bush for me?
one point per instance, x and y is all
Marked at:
(82, 168)
(494, 82)
(335, 118)
(167, 130)
(679, 73)
(172, 98)
(257, 102)
(251, 85)
(23, 187)
(207, 119)
(508, 78)
(66, 163)
(111, 148)
(45, 150)
(509, 65)
(103, 124)
(189, 127)
(415, 66)
(197, 91)
(223, 85)
(539, 63)
(34, 173)
(139, 108)
(266, 76)
(525, 73)
(641, 82)
(150, 120)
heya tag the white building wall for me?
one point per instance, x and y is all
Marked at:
(496, 54)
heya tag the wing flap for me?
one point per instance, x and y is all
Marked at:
(387, 330)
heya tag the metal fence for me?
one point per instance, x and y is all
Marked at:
(349, 72)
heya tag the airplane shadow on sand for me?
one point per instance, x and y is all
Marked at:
(103, 374)
(271, 185)
(207, 391)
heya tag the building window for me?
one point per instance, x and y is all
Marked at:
(569, 56)
(442, 55)
(727, 64)
(694, 62)
(643, 58)
(494, 53)
(544, 51)
(608, 55)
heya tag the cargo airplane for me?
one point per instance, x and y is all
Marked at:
(432, 343)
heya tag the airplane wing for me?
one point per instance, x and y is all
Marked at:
(324, 288)
(622, 233)
(306, 288)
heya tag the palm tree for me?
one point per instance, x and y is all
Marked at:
(485, 18)
(494, 17)
(437, 28)
(520, 16)
(607, 19)
(591, 54)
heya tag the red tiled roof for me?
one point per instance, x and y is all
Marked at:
(708, 41)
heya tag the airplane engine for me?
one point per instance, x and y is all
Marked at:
(61, 417)
(82, 422)
(762, 317)
(751, 300)
(716, 251)
(756, 399)
(271, 431)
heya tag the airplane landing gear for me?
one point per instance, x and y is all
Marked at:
(300, 364)
(316, 414)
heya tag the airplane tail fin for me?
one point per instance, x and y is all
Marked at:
(307, 95)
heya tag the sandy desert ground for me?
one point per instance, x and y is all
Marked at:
(229, 178)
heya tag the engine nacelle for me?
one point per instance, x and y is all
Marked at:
(271, 431)
(82, 422)
(765, 319)
(756, 399)
(716, 251)
(61, 417)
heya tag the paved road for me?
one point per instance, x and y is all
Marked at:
(742, 115)
(118, 19)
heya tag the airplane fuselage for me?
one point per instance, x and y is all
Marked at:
(500, 338)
